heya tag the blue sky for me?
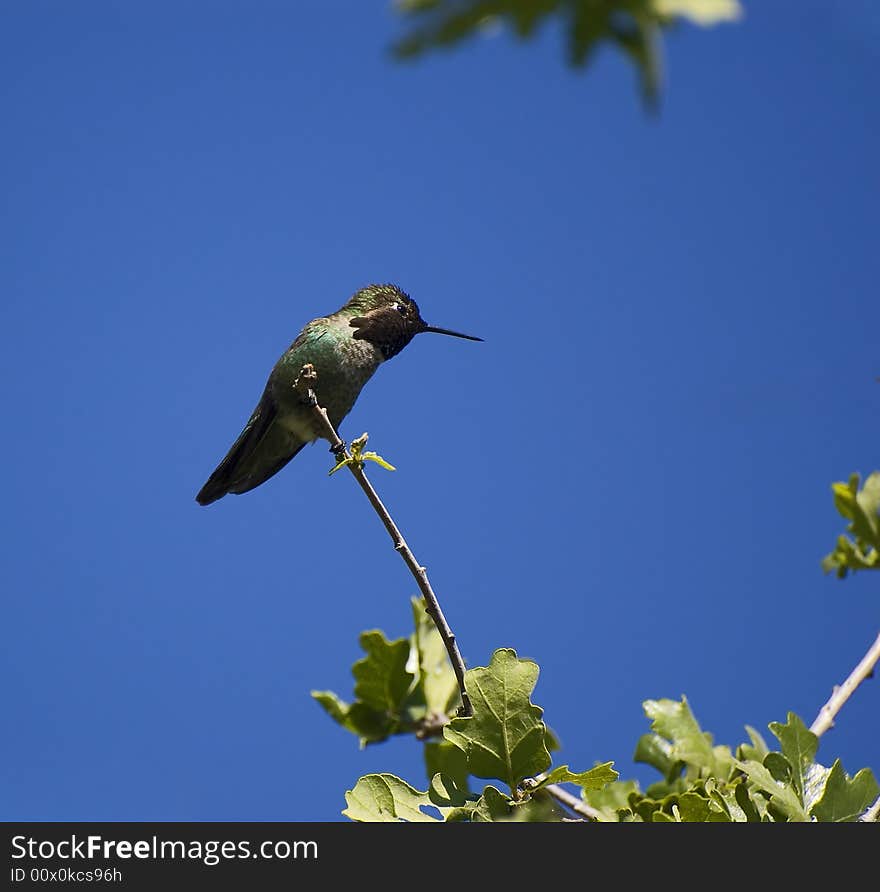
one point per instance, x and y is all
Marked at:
(627, 482)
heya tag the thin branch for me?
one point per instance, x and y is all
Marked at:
(570, 801)
(304, 385)
(865, 669)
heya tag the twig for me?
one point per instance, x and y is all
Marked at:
(561, 795)
(569, 800)
(304, 385)
(865, 669)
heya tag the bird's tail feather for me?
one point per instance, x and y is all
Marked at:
(262, 449)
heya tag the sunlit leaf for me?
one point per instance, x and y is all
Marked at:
(384, 798)
(861, 506)
(596, 778)
(674, 721)
(783, 796)
(799, 746)
(504, 738)
(700, 12)
(843, 799)
(438, 681)
(375, 457)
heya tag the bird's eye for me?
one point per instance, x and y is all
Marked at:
(401, 308)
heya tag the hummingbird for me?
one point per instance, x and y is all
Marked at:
(345, 348)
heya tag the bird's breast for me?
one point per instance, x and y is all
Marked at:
(343, 365)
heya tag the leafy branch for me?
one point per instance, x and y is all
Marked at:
(410, 685)
(860, 550)
(504, 740)
(507, 741)
(633, 27)
(388, 699)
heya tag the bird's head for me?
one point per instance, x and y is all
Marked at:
(390, 319)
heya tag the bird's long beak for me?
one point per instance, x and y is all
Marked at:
(452, 334)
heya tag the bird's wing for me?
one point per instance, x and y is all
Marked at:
(262, 449)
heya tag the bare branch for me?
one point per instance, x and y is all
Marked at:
(865, 669)
(304, 385)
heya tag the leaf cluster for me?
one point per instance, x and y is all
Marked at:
(401, 687)
(407, 686)
(701, 782)
(633, 27)
(860, 550)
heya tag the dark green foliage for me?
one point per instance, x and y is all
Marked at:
(401, 686)
(633, 27)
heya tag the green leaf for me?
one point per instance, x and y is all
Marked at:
(662, 817)
(613, 801)
(705, 801)
(783, 796)
(641, 41)
(505, 736)
(744, 801)
(493, 805)
(335, 707)
(693, 808)
(850, 557)
(445, 793)
(433, 667)
(723, 806)
(551, 741)
(780, 768)
(862, 508)
(758, 748)
(843, 799)
(799, 746)
(358, 456)
(442, 757)
(382, 686)
(368, 724)
(539, 808)
(721, 803)
(652, 749)
(597, 778)
(866, 513)
(381, 677)
(490, 805)
(385, 798)
(675, 722)
(374, 456)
